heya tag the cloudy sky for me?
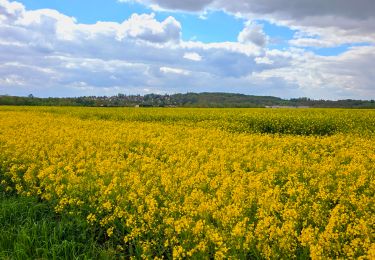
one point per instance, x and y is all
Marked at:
(322, 49)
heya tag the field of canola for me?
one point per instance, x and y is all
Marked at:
(202, 183)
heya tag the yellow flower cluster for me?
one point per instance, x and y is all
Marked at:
(190, 183)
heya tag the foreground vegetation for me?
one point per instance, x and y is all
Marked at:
(31, 230)
(200, 183)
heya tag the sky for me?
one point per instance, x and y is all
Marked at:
(322, 49)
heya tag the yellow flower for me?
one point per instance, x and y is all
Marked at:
(110, 231)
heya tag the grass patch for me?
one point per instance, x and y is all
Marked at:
(31, 230)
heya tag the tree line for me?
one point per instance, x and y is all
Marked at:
(204, 99)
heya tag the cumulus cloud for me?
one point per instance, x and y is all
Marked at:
(345, 76)
(174, 71)
(47, 53)
(360, 10)
(37, 49)
(188, 5)
(10, 11)
(192, 56)
(253, 33)
(145, 27)
(351, 21)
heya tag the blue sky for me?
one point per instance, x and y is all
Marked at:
(218, 26)
(213, 26)
(89, 11)
(248, 46)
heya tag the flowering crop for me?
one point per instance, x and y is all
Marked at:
(202, 183)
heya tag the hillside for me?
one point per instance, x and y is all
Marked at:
(204, 99)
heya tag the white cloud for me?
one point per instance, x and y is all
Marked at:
(253, 33)
(188, 5)
(10, 11)
(348, 75)
(11, 80)
(48, 53)
(174, 71)
(351, 21)
(360, 9)
(145, 27)
(192, 56)
(247, 49)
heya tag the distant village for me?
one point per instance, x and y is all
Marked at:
(205, 99)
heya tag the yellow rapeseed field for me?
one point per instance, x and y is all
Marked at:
(202, 183)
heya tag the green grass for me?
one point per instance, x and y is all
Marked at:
(31, 230)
